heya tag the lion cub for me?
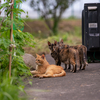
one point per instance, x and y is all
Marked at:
(44, 69)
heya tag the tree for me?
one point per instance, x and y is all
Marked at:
(51, 9)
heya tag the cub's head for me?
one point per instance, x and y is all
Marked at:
(40, 59)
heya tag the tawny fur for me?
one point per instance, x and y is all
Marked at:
(44, 69)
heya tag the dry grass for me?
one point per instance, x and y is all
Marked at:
(41, 45)
(69, 31)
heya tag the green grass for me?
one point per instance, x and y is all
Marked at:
(29, 19)
(72, 36)
(41, 45)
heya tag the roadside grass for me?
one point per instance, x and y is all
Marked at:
(41, 44)
(69, 31)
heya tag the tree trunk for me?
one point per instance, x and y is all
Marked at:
(47, 21)
(55, 26)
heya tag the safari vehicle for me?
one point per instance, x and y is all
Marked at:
(91, 30)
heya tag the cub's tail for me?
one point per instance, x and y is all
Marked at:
(63, 73)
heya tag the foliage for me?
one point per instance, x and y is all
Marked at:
(9, 87)
(51, 9)
(72, 17)
(9, 91)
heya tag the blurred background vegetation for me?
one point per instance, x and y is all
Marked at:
(51, 26)
(68, 29)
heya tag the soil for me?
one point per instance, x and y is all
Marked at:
(37, 26)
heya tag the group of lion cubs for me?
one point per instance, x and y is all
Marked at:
(69, 55)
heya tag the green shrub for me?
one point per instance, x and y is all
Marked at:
(11, 87)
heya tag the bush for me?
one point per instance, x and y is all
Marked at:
(11, 87)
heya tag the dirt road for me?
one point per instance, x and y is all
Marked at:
(82, 85)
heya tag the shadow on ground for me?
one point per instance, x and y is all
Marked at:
(82, 85)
